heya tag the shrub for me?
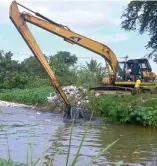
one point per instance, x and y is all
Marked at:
(140, 109)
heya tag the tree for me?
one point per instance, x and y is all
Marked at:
(10, 72)
(91, 75)
(62, 61)
(63, 65)
(32, 66)
(142, 14)
(93, 65)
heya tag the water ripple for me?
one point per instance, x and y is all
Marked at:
(137, 146)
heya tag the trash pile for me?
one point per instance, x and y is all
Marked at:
(77, 94)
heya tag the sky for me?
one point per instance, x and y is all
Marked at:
(97, 19)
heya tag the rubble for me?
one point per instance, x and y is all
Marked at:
(77, 94)
(78, 99)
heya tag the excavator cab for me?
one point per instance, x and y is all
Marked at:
(128, 70)
(125, 78)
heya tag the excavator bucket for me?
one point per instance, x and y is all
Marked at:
(76, 113)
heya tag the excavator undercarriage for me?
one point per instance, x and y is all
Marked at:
(109, 89)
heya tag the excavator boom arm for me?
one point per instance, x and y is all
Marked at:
(23, 29)
(73, 38)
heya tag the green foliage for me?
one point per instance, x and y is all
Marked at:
(87, 78)
(139, 109)
(10, 72)
(35, 96)
(61, 62)
(93, 66)
(30, 74)
(67, 80)
(4, 162)
(142, 14)
(35, 82)
(33, 67)
(15, 80)
(144, 115)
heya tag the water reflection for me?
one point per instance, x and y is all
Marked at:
(90, 148)
(137, 145)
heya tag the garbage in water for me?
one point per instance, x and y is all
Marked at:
(80, 99)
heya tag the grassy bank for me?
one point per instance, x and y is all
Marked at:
(33, 96)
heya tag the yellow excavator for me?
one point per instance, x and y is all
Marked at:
(117, 80)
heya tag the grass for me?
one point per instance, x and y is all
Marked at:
(34, 96)
(29, 157)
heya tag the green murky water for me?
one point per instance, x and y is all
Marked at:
(137, 145)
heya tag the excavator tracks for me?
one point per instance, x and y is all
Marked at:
(119, 90)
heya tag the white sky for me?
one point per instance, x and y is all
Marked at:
(97, 19)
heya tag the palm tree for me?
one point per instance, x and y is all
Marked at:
(93, 65)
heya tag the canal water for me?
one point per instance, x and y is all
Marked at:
(137, 145)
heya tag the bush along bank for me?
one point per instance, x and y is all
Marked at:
(140, 109)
